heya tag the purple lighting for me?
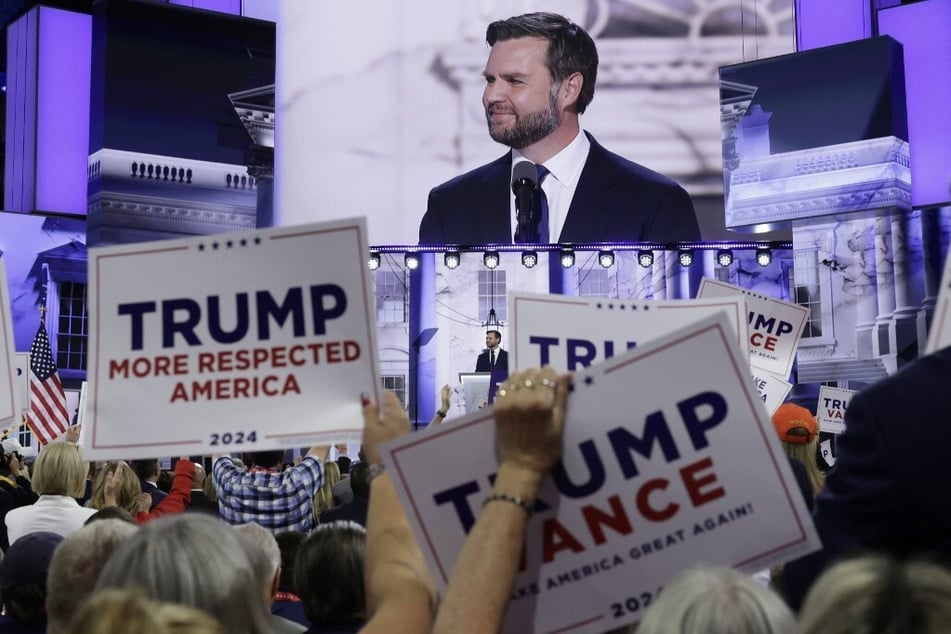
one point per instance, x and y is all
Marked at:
(822, 23)
(62, 127)
(924, 29)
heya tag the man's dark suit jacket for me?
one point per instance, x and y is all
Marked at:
(616, 199)
(355, 511)
(889, 488)
(501, 361)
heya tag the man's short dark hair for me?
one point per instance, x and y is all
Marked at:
(360, 479)
(344, 463)
(144, 469)
(267, 459)
(570, 48)
(498, 335)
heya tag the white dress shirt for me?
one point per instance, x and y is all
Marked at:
(564, 172)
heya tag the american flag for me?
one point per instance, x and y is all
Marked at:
(48, 417)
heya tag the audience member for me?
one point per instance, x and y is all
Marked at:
(264, 494)
(16, 490)
(75, 567)
(165, 479)
(799, 431)
(59, 477)
(200, 502)
(885, 493)
(287, 602)
(148, 471)
(329, 577)
(445, 404)
(117, 485)
(122, 611)
(879, 594)
(324, 498)
(716, 599)
(23, 578)
(111, 513)
(269, 573)
(400, 594)
(342, 492)
(529, 416)
(356, 509)
(195, 560)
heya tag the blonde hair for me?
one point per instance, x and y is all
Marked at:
(878, 594)
(127, 496)
(806, 454)
(128, 610)
(60, 470)
(324, 496)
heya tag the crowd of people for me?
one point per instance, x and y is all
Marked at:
(90, 550)
(255, 545)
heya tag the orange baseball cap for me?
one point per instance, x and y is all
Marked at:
(795, 424)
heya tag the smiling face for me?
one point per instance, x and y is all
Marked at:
(520, 99)
(492, 340)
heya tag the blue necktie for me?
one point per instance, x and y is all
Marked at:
(539, 228)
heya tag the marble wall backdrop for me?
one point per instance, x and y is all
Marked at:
(379, 102)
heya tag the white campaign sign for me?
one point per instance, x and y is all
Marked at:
(660, 446)
(772, 389)
(21, 388)
(238, 342)
(939, 335)
(570, 333)
(775, 326)
(9, 410)
(833, 402)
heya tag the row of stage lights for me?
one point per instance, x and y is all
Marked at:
(764, 256)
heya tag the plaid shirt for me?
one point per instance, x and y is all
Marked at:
(277, 500)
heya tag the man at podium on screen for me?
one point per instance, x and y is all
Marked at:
(557, 183)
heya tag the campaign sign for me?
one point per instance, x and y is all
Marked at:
(772, 389)
(9, 410)
(570, 333)
(239, 342)
(775, 326)
(669, 462)
(833, 402)
(939, 335)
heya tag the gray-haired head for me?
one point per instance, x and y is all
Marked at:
(717, 599)
(879, 594)
(194, 560)
(263, 540)
(76, 566)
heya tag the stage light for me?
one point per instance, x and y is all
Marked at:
(490, 259)
(685, 256)
(411, 261)
(529, 259)
(606, 259)
(567, 257)
(725, 257)
(451, 259)
(373, 262)
(645, 258)
(764, 256)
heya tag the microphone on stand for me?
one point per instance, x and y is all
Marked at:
(524, 182)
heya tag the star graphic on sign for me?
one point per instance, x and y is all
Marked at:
(610, 306)
(257, 240)
(229, 244)
(201, 247)
(214, 245)
(244, 242)
(588, 380)
(599, 305)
